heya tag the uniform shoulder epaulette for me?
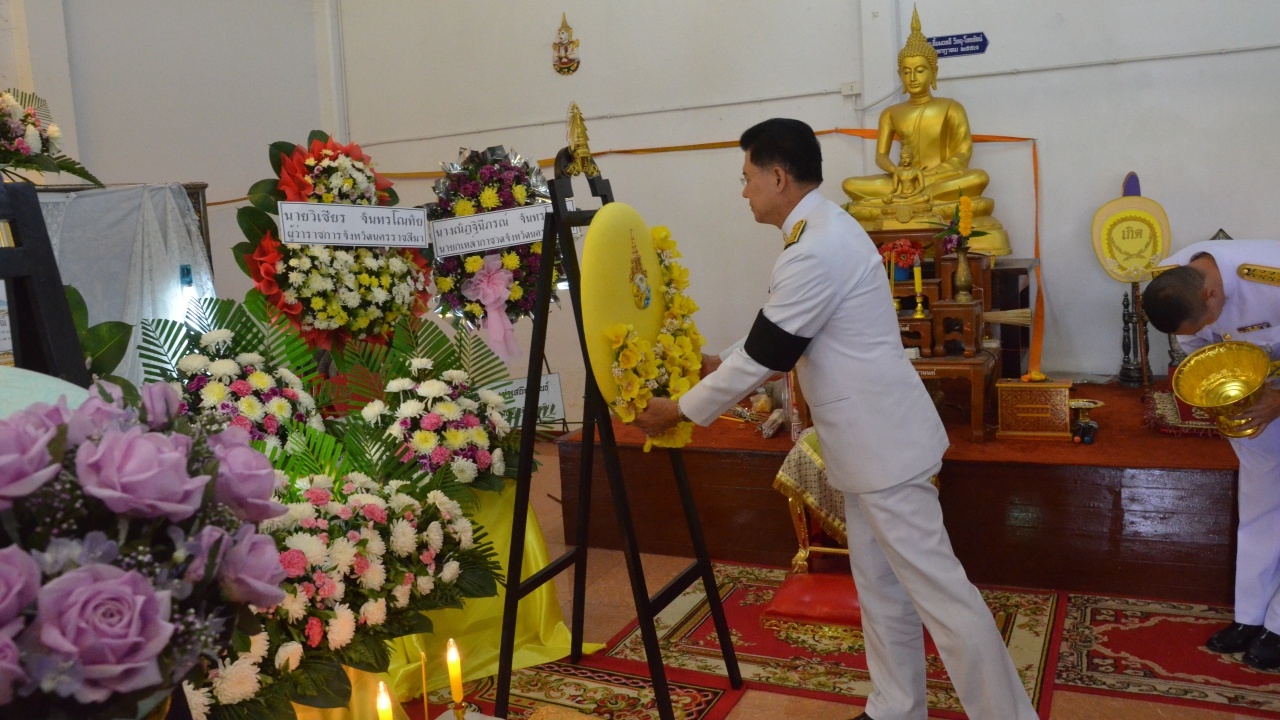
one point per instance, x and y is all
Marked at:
(1259, 273)
(794, 237)
(1155, 272)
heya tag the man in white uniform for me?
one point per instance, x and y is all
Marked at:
(1230, 290)
(830, 316)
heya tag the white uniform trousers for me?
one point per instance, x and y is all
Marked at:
(1258, 540)
(905, 571)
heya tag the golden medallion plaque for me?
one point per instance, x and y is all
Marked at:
(1131, 237)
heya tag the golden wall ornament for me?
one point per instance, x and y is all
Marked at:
(565, 49)
(1131, 235)
(577, 137)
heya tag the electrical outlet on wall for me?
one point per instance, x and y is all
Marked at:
(850, 89)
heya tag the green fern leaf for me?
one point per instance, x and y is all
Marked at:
(481, 364)
(163, 344)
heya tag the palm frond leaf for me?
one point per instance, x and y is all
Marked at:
(209, 314)
(481, 364)
(282, 345)
(311, 452)
(421, 338)
(163, 344)
(33, 101)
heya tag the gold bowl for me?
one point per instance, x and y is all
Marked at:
(1224, 379)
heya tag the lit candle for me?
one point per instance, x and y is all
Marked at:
(455, 671)
(916, 271)
(384, 702)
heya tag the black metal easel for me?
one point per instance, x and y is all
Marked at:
(44, 338)
(558, 238)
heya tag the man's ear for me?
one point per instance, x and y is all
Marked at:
(779, 177)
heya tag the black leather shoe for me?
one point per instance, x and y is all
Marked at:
(864, 716)
(1234, 638)
(1264, 653)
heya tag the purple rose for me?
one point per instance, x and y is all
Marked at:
(246, 479)
(201, 548)
(10, 669)
(141, 474)
(110, 622)
(251, 571)
(19, 582)
(160, 401)
(94, 417)
(48, 416)
(25, 462)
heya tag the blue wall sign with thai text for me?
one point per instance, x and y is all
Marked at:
(965, 44)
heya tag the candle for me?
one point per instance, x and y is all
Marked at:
(916, 271)
(384, 702)
(425, 713)
(893, 263)
(455, 671)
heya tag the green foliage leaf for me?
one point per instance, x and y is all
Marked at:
(163, 344)
(477, 582)
(281, 344)
(369, 654)
(44, 163)
(475, 356)
(131, 394)
(105, 344)
(255, 223)
(277, 152)
(79, 310)
(71, 166)
(264, 195)
(33, 101)
(315, 135)
(241, 251)
(320, 682)
(401, 624)
(393, 197)
(209, 314)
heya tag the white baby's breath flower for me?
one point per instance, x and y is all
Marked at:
(310, 546)
(404, 539)
(341, 628)
(400, 385)
(431, 389)
(249, 358)
(192, 363)
(374, 612)
(236, 682)
(492, 399)
(434, 536)
(464, 470)
(213, 337)
(497, 464)
(425, 584)
(373, 410)
(224, 368)
(289, 656)
(258, 645)
(294, 606)
(421, 363)
(450, 572)
(401, 595)
(198, 700)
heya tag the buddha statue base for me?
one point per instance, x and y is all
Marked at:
(908, 215)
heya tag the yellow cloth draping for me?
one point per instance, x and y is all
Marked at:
(541, 635)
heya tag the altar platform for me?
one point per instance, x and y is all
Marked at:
(1138, 512)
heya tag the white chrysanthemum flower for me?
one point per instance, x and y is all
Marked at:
(224, 368)
(396, 265)
(333, 508)
(448, 410)
(198, 700)
(260, 381)
(363, 498)
(311, 546)
(423, 441)
(294, 606)
(425, 584)
(448, 507)
(341, 628)
(258, 646)
(395, 485)
(422, 363)
(450, 572)
(373, 410)
(364, 482)
(249, 358)
(339, 586)
(251, 407)
(374, 546)
(290, 520)
(497, 464)
(213, 337)
(374, 612)
(236, 682)
(315, 422)
(401, 595)
(455, 377)
(289, 378)
(289, 656)
(431, 389)
(32, 138)
(321, 481)
(404, 539)
(400, 385)
(434, 536)
(341, 554)
(378, 295)
(492, 399)
(500, 425)
(464, 470)
(375, 576)
(193, 363)
(399, 501)
(410, 408)
(463, 531)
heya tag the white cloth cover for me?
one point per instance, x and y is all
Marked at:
(122, 248)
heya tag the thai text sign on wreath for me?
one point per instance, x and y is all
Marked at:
(368, 225)
(488, 231)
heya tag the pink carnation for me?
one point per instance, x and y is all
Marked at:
(428, 556)
(241, 388)
(440, 455)
(349, 488)
(241, 421)
(431, 421)
(325, 587)
(483, 459)
(307, 589)
(374, 513)
(470, 421)
(318, 496)
(270, 424)
(315, 631)
(344, 512)
(294, 562)
(360, 564)
(408, 579)
(290, 393)
(353, 536)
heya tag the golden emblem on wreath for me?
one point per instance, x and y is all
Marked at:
(1131, 237)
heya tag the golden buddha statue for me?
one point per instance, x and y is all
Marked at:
(923, 188)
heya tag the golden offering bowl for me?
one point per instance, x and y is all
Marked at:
(1224, 379)
(1082, 408)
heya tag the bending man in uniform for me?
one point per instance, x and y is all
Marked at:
(830, 316)
(1214, 294)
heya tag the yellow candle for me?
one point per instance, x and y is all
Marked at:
(893, 264)
(455, 671)
(916, 271)
(425, 711)
(384, 702)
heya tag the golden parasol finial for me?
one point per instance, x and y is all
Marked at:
(577, 132)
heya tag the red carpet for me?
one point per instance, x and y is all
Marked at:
(822, 661)
(1152, 650)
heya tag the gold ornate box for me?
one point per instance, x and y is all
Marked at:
(1037, 410)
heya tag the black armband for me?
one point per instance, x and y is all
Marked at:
(773, 347)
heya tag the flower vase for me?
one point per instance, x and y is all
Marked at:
(901, 274)
(962, 281)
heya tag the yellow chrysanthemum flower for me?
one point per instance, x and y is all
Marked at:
(489, 198)
(510, 260)
(474, 309)
(212, 394)
(463, 207)
(423, 441)
(444, 284)
(473, 263)
(517, 292)
(536, 248)
(455, 439)
(260, 381)
(251, 407)
(326, 198)
(479, 437)
(520, 193)
(317, 303)
(279, 407)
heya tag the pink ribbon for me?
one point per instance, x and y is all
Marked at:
(491, 286)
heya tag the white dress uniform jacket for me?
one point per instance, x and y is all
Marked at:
(876, 423)
(1250, 314)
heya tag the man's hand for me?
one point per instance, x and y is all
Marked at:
(1265, 409)
(660, 416)
(710, 363)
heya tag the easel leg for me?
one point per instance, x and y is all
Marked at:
(585, 473)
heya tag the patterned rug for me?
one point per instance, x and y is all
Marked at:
(826, 662)
(598, 692)
(1154, 649)
(1174, 417)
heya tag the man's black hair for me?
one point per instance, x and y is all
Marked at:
(1174, 298)
(788, 144)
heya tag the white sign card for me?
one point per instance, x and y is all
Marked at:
(550, 399)
(366, 225)
(487, 231)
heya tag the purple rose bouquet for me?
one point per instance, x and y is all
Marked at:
(128, 553)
